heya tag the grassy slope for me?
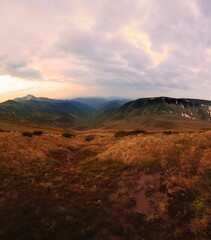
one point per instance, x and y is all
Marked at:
(158, 123)
(148, 124)
(57, 188)
(8, 125)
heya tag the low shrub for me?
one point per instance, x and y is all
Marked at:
(68, 135)
(128, 133)
(27, 134)
(89, 138)
(121, 134)
(167, 132)
(137, 131)
(38, 133)
(171, 132)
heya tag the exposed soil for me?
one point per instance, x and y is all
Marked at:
(148, 194)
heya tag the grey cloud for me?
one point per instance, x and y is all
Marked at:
(114, 62)
(174, 24)
(100, 55)
(107, 60)
(205, 7)
(18, 68)
(112, 15)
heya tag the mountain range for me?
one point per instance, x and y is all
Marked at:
(161, 112)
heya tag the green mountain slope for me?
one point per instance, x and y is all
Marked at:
(37, 112)
(185, 108)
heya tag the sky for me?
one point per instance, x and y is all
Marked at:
(126, 48)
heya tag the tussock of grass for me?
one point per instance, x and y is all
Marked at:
(90, 137)
(119, 134)
(68, 135)
(27, 134)
(38, 133)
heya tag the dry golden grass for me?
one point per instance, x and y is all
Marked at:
(184, 162)
(27, 126)
(182, 149)
(77, 177)
(17, 149)
(172, 123)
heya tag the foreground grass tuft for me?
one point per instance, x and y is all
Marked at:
(68, 135)
(27, 134)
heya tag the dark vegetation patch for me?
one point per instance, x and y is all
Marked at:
(167, 132)
(30, 134)
(68, 135)
(38, 133)
(171, 132)
(128, 133)
(136, 132)
(90, 137)
(4, 131)
(121, 134)
(27, 134)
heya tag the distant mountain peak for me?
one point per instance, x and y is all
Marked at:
(30, 97)
(25, 98)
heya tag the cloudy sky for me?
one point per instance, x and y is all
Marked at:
(131, 48)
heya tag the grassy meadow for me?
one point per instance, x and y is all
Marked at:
(98, 186)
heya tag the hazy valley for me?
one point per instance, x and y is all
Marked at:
(84, 113)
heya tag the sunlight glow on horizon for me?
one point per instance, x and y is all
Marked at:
(11, 84)
(12, 87)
